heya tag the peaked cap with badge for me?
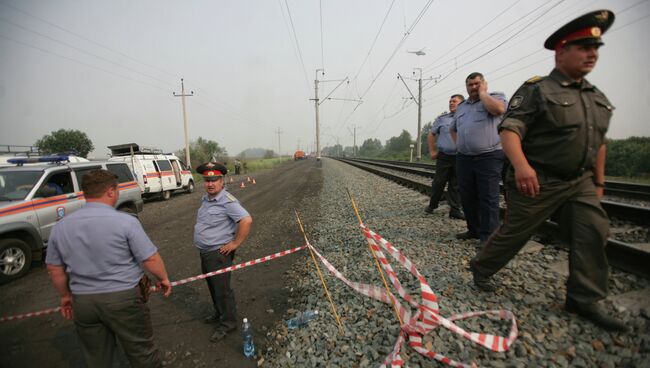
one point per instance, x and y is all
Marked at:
(584, 30)
(212, 171)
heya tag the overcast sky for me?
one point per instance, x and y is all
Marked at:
(109, 68)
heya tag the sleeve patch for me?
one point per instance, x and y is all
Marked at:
(516, 101)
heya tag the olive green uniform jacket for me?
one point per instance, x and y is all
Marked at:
(562, 125)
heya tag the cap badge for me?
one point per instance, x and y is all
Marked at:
(595, 31)
(602, 16)
(209, 164)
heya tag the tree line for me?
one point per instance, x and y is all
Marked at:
(628, 157)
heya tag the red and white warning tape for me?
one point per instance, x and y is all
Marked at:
(175, 283)
(427, 315)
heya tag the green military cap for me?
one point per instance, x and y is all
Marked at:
(584, 30)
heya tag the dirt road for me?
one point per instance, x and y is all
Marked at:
(50, 341)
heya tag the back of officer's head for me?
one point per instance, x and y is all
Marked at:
(97, 182)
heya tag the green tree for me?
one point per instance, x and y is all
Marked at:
(371, 147)
(66, 140)
(628, 157)
(423, 139)
(204, 150)
(399, 144)
(269, 154)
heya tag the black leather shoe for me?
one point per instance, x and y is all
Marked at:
(466, 235)
(428, 210)
(482, 283)
(594, 313)
(220, 333)
(456, 215)
(211, 319)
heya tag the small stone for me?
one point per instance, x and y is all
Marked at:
(260, 362)
(270, 311)
(598, 345)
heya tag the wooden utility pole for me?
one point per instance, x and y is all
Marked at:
(182, 95)
(278, 132)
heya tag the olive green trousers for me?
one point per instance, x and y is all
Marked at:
(584, 226)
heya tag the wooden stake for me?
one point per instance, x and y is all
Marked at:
(381, 272)
(322, 279)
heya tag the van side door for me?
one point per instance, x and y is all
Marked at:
(166, 175)
(176, 167)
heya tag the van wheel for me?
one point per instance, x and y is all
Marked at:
(130, 210)
(190, 187)
(15, 259)
(166, 195)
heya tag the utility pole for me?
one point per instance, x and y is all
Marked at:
(418, 101)
(354, 139)
(317, 103)
(278, 132)
(187, 141)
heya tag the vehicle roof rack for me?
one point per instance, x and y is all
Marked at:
(17, 150)
(132, 148)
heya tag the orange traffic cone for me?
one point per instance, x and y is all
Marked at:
(242, 185)
(248, 179)
(254, 181)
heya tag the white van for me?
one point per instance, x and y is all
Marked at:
(157, 174)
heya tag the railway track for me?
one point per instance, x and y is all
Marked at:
(633, 258)
(612, 188)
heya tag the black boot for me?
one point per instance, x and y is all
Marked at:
(466, 235)
(594, 313)
(482, 283)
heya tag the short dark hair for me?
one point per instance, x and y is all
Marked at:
(461, 97)
(96, 182)
(474, 75)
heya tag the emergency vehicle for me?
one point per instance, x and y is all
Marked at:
(36, 192)
(157, 174)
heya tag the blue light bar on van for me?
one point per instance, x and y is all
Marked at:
(54, 158)
(20, 161)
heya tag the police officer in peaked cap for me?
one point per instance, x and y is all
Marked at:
(553, 133)
(222, 225)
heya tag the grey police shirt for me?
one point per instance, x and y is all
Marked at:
(101, 249)
(476, 127)
(216, 222)
(440, 129)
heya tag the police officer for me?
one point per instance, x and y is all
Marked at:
(554, 136)
(442, 148)
(479, 161)
(222, 225)
(93, 259)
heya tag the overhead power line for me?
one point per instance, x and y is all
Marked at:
(89, 40)
(297, 44)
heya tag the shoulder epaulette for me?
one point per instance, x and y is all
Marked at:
(231, 197)
(534, 79)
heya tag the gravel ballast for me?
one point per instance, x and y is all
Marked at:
(532, 286)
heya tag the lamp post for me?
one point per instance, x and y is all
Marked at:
(411, 158)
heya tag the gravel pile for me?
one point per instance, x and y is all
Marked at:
(532, 288)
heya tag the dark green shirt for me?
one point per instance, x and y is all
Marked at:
(561, 123)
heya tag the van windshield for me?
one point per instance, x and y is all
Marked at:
(16, 185)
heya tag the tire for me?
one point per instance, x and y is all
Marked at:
(166, 195)
(15, 259)
(130, 210)
(190, 187)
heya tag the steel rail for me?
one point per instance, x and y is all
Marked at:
(625, 256)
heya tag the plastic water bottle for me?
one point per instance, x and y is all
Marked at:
(247, 336)
(302, 319)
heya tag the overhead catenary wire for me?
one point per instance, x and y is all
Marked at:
(297, 44)
(82, 63)
(174, 75)
(84, 51)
